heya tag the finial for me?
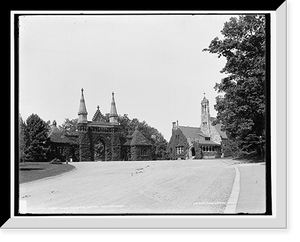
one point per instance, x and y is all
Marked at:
(54, 123)
(113, 93)
(98, 107)
(204, 94)
(82, 90)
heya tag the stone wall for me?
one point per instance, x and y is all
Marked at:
(115, 146)
(214, 135)
(85, 149)
(136, 154)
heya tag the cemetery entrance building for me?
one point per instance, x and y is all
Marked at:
(98, 139)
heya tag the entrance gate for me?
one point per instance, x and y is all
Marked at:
(99, 142)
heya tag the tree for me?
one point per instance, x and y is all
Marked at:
(156, 138)
(241, 105)
(36, 135)
(69, 125)
(22, 139)
(152, 134)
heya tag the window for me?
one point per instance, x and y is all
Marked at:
(179, 150)
(143, 151)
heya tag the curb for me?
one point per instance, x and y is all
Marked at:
(233, 199)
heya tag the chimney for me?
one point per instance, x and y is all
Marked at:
(174, 125)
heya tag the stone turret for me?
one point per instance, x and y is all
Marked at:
(205, 116)
(82, 113)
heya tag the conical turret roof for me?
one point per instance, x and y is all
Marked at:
(113, 108)
(204, 100)
(82, 107)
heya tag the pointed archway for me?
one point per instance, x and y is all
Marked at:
(193, 153)
(99, 150)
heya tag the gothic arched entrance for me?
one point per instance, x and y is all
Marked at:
(99, 150)
(99, 143)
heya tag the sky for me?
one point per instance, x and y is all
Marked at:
(153, 63)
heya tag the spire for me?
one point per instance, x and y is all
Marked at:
(204, 100)
(113, 116)
(82, 113)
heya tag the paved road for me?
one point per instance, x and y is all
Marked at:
(192, 186)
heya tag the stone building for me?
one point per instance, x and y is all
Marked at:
(137, 147)
(197, 142)
(100, 140)
(61, 145)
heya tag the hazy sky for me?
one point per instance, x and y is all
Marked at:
(154, 64)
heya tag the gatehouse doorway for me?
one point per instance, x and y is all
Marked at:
(99, 151)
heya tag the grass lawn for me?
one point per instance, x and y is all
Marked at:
(31, 171)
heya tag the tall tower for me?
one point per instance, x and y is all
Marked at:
(113, 116)
(205, 116)
(82, 113)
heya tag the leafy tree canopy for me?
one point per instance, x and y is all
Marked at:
(69, 125)
(36, 131)
(241, 103)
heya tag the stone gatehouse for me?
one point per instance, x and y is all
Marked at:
(98, 140)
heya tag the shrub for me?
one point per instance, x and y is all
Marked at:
(56, 161)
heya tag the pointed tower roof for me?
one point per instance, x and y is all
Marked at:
(204, 100)
(139, 139)
(113, 108)
(57, 136)
(82, 107)
(53, 128)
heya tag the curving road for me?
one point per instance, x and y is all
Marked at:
(186, 186)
